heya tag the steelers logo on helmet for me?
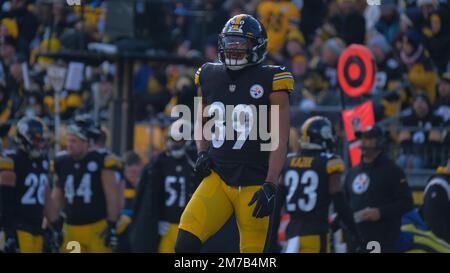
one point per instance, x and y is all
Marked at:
(242, 42)
(356, 70)
(256, 91)
(361, 183)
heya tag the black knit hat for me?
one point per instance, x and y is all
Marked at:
(413, 38)
(8, 40)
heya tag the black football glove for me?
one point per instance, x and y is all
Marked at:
(11, 242)
(53, 237)
(110, 235)
(265, 200)
(203, 165)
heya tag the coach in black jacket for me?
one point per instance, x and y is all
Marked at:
(378, 193)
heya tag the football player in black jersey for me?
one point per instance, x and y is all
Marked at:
(86, 189)
(311, 180)
(98, 138)
(168, 183)
(239, 175)
(25, 189)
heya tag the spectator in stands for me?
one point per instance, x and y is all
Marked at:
(6, 114)
(426, 8)
(279, 18)
(8, 47)
(210, 49)
(299, 68)
(389, 74)
(349, 23)
(294, 44)
(9, 27)
(420, 71)
(325, 32)
(210, 23)
(182, 91)
(389, 22)
(313, 13)
(48, 45)
(438, 43)
(405, 25)
(159, 32)
(420, 135)
(149, 94)
(331, 51)
(26, 21)
(442, 106)
(292, 47)
(321, 82)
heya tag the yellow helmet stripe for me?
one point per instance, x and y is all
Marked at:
(237, 21)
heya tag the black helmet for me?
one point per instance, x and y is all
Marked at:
(85, 128)
(31, 136)
(242, 42)
(317, 134)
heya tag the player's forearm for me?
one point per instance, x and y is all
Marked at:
(112, 209)
(121, 189)
(278, 155)
(57, 197)
(200, 141)
(276, 162)
(50, 210)
(111, 194)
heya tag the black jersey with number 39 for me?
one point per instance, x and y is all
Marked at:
(240, 161)
(81, 181)
(306, 178)
(29, 191)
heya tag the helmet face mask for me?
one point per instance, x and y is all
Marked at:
(39, 147)
(176, 149)
(178, 138)
(236, 50)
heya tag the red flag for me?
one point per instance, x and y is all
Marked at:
(357, 119)
(354, 149)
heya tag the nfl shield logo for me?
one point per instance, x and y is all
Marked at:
(232, 87)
